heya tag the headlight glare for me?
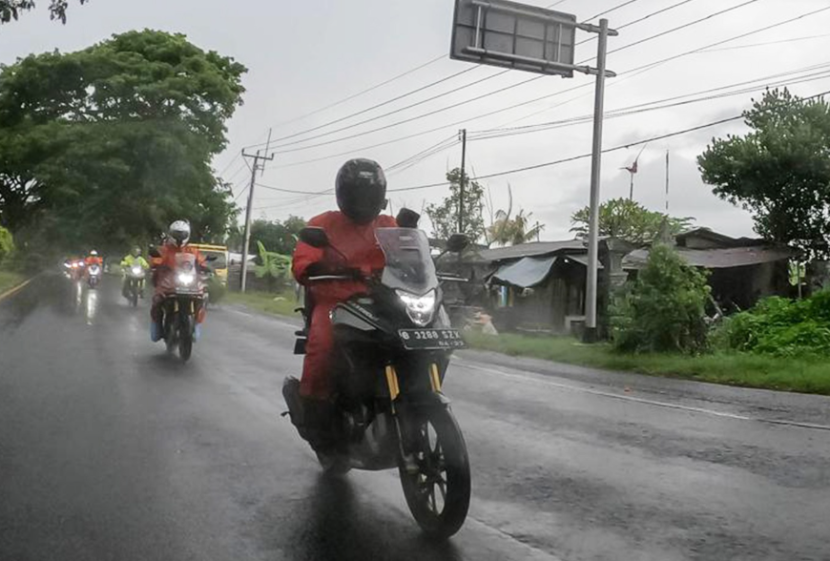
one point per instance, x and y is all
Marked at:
(420, 309)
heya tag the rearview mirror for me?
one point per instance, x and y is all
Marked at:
(407, 218)
(210, 258)
(457, 243)
(315, 237)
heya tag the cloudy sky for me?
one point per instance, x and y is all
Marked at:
(306, 55)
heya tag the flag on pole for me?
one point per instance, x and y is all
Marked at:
(634, 167)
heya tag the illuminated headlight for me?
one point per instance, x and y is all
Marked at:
(420, 309)
(185, 279)
(136, 271)
(93, 270)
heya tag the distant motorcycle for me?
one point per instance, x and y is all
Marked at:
(134, 284)
(93, 275)
(182, 306)
(393, 348)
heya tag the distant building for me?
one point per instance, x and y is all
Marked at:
(540, 286)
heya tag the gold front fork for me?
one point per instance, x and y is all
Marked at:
(434, 377)
(392, 382)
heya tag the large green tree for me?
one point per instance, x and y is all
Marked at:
(780, 170)
(627, 220)
(111, 143)
(11, 9)
(444, 216)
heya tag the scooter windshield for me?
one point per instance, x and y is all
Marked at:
(409, 265)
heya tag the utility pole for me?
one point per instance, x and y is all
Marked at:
(257, 166)
(463, 133)
(591, 334)
(667, 182)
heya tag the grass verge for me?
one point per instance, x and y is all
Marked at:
(9, 280)
(279, 304)
(735, 369)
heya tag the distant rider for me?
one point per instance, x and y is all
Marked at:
(127, 263)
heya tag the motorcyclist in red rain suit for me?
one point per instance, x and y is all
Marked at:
(163, 265)
(361, 195)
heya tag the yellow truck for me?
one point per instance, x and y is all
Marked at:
(220, 264)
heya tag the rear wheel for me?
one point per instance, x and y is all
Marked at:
(437, 486)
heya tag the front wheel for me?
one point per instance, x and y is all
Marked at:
(186, 327)
(437, 484)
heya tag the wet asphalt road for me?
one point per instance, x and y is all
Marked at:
(111, 450)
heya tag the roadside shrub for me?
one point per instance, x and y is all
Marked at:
(216, 289)
(6, 244)
(781, 327)
(664, 309)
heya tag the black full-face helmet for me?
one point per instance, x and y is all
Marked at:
(361, 190)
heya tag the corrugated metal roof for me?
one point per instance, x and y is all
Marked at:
(533, 249)
(582, 259)
(717, 258)
(525, 273)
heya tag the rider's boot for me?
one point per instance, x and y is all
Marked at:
(314, 418)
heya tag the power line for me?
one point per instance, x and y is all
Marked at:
(242, 192)
(609, 10)
(282, 190)
(636, 21)
(445, 144)
(387, 102)
(588, 155)
(579, 157)
(631, 73)
(646, 106)
(652, 14)
(301, 133)
(684, 26)
(377, 117)
(409, 120)
(640, 69)
(221, 173)
(764, 44)
(362, 92)
(488, 94)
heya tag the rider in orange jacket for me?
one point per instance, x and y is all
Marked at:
(163, 266)
(361, 195)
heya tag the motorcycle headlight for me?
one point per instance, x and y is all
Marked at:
(420, 309)
(185, 278)
(136, 270)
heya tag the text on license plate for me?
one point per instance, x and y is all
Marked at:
(431, 338)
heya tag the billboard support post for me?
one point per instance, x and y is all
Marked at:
(508, 34)
(596, 170)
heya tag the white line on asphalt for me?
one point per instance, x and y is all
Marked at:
(530, 376)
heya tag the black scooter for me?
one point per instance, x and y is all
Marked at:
(393, 346)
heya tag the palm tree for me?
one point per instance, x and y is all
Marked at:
(513, 231)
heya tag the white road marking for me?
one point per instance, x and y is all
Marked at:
(523, 375)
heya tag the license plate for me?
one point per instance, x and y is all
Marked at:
(420, 339)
